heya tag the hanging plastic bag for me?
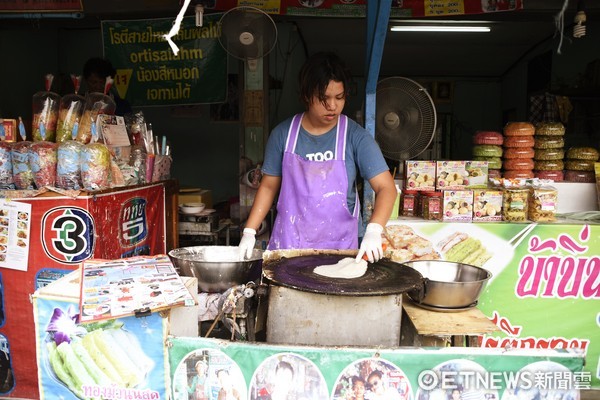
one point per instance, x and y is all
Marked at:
(45, 112)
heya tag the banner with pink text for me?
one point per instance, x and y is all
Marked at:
(545, 285)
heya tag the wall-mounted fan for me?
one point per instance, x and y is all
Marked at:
(247, 33)
(405, 118)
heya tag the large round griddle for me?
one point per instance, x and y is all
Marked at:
(382, 278)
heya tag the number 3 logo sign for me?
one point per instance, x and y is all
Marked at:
(68, 234)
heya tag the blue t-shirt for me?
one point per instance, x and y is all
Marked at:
(363, 154)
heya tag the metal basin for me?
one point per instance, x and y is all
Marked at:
(217, 268)
(449, 285)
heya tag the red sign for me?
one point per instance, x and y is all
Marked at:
(357, 8)
(40, 5)
(65, 232)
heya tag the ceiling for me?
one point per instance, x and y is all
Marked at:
(515, 34)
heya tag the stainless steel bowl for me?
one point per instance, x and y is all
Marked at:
(217, 268)
(449, 285)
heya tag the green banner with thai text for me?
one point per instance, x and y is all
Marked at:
(150, 73)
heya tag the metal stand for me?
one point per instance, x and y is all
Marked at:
(202, 228)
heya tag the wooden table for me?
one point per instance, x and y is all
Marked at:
(421, 327)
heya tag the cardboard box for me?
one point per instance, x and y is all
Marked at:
(419, 175)
(196, 195)
(477, 172)
(487, 205)
(451, 175)
(458, 205)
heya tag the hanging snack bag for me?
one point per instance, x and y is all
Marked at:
(95, 166)
(6, 172)
(70, 111)
(22, 175)
(45, 112)
(95, 104)
(42, 161)
(68, 167)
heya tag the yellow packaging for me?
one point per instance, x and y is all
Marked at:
(195, 195)
(396, 208)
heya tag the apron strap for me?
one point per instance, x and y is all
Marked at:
(292, 137)
(341, 137)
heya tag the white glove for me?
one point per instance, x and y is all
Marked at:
(371, 243)
(247, 243)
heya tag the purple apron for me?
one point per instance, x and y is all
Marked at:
(312, 211)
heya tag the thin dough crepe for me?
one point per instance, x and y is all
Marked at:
(346, 268)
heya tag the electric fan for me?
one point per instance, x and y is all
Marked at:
(405, 118)
(247, 33)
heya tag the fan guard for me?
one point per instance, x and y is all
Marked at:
(247, 33)
(405, 118)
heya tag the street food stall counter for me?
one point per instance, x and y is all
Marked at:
(48, 236)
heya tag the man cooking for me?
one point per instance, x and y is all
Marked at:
(311, 161)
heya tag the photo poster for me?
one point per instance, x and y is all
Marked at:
(130, 286)
(541, 273)
(15, 231)
(123, 358)
(257, 371)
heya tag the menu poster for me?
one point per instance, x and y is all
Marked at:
(130, 286)
(15, 228)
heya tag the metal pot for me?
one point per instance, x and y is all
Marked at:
(449, 285)
(217, 268)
